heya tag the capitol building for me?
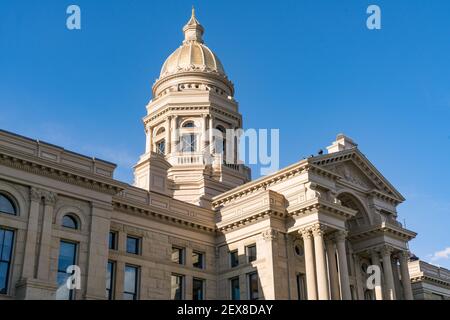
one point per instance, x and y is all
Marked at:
(194, 225)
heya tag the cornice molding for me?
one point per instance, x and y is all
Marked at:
(165, 218)
(266, 182)
(57, 172)
(383, 228)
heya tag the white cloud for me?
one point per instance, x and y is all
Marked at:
(443, 254)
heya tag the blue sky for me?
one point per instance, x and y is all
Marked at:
(310, 68)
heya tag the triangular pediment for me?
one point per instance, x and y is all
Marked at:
(354, 168)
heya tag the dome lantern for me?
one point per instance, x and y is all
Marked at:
(193, 30)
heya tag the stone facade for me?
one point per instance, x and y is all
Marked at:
(429, 282)
(308, 231)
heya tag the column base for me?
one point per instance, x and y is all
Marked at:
(34, 289)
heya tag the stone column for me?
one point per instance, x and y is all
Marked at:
(321, 264)
(395, 273)
(168, 136)
(309, 264)
(376, 261)
(343, 267)
(332, 268)
(29, 260)
(175, 133)
(406, 280)
(46, 236)
(386, 252)
(147, 140)
(150, 138)
(358, 278)
(204, 137)
(98, 250)
(211, 142)
(269, 273)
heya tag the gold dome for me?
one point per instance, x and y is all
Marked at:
(193, 54)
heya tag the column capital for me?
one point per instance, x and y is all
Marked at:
(373, 252)
(49, 198)
(305, 233)
(269, 234)
(340, 235)
(386, 250)
(35, 194)
(403, 254)
(318, 230)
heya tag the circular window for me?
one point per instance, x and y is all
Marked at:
(298, 248)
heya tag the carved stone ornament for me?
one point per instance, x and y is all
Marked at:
(269, 234)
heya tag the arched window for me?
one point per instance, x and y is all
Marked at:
(361, 217)
(160, 131)
(70, 222)
(189, 124)
(7, 205)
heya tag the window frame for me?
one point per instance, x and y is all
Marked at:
(231, 258)
(73, 219)
(249, 257)
(137, 247)
(249, 281)
(10, 261)
(74, 262)
(191, 145)
(181, 255)
(136, 281)
(201, 260)
(115, 240)
(203, 288)
(13, 203)
(181, 286)
(112, 280)
(238, 287)
(158, 145)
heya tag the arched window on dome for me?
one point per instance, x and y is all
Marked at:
(189, 124)
(70, 222)
(7, 205)
(160, 131)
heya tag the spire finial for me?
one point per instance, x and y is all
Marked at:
(193, 30)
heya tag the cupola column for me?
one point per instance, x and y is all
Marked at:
(211, 142)
(168, 135)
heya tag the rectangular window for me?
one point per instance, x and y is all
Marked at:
(189, 142)
(235, 289)
(177, 287)
(110, 279)
(178, 255)
(130, 287)
(198, 259)
(161, 147)
(251, 253)
(112, 240)
(198, 287)
(301, 286)
(6, 247)
(253, 291)
(133, 245)
(67, 257)
(234, 258)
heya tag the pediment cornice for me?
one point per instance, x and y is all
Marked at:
(384, 187)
